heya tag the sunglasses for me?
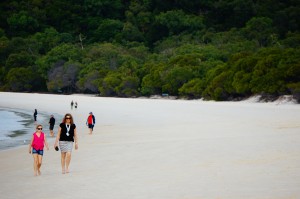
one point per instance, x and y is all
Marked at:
(39, 128)
(68, 118)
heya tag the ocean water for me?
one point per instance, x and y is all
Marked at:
(17, 126)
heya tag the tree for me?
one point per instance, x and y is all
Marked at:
(90, 82)
(109, 84)
(131, 33)
(20, 59)
(63, 77)
(20, 79)
(128, 86)
(4, 52)
(292, 40)
(295, 90)
(192, 89)
(104, 8)
(177, 21)
(226, 14)
(48, 39)
(152, 81)
(259, 29)
(108, 30)
(174, 78)
(220, 87)
(22, 24)
(267, 77)
(62, 53)
(242, 65)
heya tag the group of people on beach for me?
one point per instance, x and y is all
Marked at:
(64, 141)
(51, 122)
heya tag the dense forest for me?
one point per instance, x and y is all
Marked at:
(210, 49)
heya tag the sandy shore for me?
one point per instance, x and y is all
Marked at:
(162, 149)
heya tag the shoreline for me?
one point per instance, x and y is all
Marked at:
(22, 136)
(163, 149)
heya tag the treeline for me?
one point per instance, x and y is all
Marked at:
(211, 49)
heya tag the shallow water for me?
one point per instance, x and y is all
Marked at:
(17, 126)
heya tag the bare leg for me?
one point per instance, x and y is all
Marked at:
(35, 164)
(51, 133)
(91, 130)
(68, 160)
(63, 162)
(40, 158)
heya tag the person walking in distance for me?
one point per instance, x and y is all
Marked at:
(35, 115)
(91, 122)
(72, 103)
(65, 138)
(51, 125)
(36, 148)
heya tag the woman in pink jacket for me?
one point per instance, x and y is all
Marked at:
(36, 147)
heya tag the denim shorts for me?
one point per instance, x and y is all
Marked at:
(39, 152)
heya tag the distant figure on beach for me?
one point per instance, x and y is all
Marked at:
(76, 104)
(51, 125)
(90, 122)
(72, 103)
(35, 115)
(65, 138)
(36, 148)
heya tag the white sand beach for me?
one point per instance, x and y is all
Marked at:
(161, 149)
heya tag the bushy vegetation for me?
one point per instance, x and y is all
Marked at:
(213, 49)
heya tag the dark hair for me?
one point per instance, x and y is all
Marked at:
(68, 115)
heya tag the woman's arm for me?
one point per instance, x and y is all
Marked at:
(46, 143)
(76, 139)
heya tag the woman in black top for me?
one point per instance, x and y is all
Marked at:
(65, 138)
